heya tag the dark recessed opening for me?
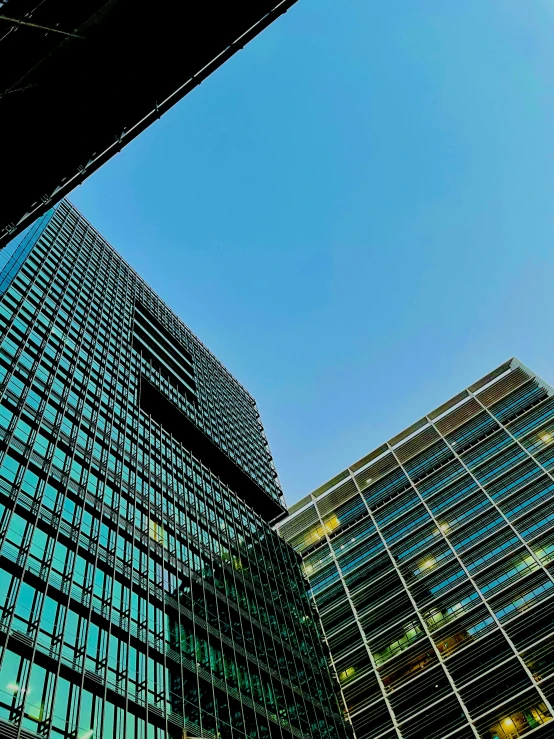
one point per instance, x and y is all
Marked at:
(164, 412)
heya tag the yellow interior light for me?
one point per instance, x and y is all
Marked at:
(508, 722)
(13, 687)
(157, 532)
(345, 674)
(317, 533)
(331, 524)
(546, 437)
(313, 536)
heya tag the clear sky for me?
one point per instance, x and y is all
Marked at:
(355, 214)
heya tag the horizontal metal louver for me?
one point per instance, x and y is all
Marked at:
(493, 716)
(502, 387)
(518, 402)
(459, 416)
(362, 693)
(376, 470)
(386, 488)
(417, 444)
(407, 664)
(331, 484)
(446, 716)
(297, 525)
(533, 418)
(371, 722)
(332, 501)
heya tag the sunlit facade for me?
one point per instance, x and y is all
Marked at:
(143, 591)
(431, 564)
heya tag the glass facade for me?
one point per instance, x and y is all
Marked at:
(431, 564)
(143, 591)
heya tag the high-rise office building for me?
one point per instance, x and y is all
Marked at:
(431, 563)
(143, 592)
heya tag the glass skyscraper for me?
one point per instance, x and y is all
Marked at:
(143, 591)
(431, 563)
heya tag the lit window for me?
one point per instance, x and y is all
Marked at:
(319, 532)
(345, 674)
(157, 532)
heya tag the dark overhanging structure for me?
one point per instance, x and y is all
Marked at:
(79, 80)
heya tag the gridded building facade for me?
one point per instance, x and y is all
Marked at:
(431, 563)
(143, 592)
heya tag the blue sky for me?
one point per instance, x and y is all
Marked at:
(355, 214)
